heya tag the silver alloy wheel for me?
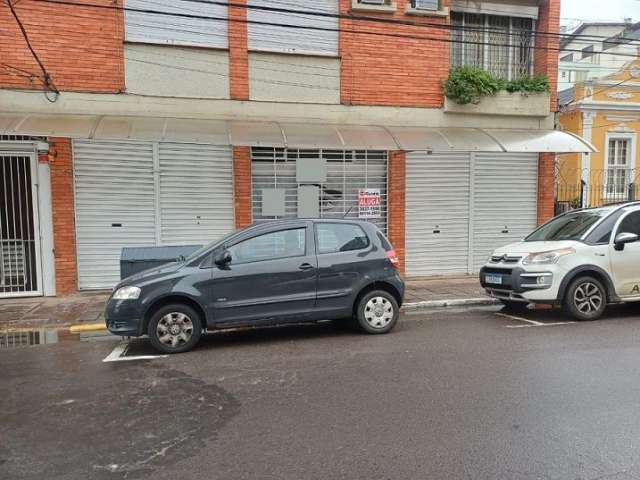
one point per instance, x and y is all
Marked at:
(378, 312)
(174, 329)
(587, 298)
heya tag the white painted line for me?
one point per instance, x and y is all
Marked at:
(531, 323)
(520, 319)
(118, 354)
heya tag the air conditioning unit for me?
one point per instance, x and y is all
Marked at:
(373, 2)
(425, 4)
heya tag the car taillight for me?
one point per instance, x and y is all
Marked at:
(393, 258)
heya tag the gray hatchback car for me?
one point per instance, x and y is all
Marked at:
(280, 272)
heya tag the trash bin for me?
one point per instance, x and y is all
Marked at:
(137, 259)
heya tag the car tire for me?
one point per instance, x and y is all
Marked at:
(175, 328)
(377, 312)
(512, 306)
(585, 299)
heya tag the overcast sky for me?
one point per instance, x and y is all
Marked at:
(599, 10)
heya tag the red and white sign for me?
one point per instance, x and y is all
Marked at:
(369, 203)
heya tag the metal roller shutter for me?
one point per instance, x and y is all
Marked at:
(437, 213)
(504, 201)
(122, 201)
(196, 193)
(115, 206)
(347, 172)
(263, 36)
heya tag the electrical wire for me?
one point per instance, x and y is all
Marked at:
(48, 81)
(310, 27)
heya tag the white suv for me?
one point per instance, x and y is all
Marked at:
(582, 260)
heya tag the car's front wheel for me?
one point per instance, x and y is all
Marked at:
(585, 299)
(377, 312)
(175, 328)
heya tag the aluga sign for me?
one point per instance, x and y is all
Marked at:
(369, 203)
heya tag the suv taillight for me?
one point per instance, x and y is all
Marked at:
(393, 258)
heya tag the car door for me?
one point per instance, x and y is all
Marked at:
(271, 278)
(345, 257)
(625, 264)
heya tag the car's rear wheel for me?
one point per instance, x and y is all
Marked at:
(377, 312)
(585, 299)
(175, 328)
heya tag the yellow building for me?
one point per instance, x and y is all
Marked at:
(606, 112)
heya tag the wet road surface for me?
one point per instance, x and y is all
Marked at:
(475, 394)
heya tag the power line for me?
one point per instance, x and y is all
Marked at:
(48, 82)
(309, 27)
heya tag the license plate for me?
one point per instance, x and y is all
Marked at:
(494, 279)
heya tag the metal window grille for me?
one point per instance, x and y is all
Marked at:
(347, 172)
(498, 44)
(618, 172)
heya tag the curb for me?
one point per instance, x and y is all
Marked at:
(88, 327)
(462, 302)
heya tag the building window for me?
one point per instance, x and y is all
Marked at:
(618, 173)
(588, 52)
(501, 45)
(567, 58)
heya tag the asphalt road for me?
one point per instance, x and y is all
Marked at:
(455, 395)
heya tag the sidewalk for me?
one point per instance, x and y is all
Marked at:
(87, 308)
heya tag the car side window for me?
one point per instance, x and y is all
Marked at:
(630, 224)
(270, 246)
(340, 237)
(601, 235)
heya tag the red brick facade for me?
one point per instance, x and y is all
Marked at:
(242, 185)
(396, 204)
(81, 47)
(64, 227)
(238, 53)
(546, 198)
(546, 56)
(388, 70)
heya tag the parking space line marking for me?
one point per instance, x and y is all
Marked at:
(117, 355)
(531, 323)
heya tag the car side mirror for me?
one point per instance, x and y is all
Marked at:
(623, 238)
(223, 258)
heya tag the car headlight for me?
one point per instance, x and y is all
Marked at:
(127, 293)
(547, 258)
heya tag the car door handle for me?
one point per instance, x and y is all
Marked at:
(306, 266)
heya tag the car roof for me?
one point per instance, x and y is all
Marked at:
(611, 207)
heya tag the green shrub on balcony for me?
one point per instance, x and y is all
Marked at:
(469, 84)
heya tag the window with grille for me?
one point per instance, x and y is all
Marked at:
(501, 45)
(347, 171)
(618, 174)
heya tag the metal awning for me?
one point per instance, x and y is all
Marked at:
(294, 135)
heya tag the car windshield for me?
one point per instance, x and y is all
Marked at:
(201, 250)
(571, 226)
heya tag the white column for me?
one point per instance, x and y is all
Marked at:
(585, 166)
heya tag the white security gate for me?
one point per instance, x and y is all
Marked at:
(437, 213)
(346, 173)
(134, 194)
(461, 206)
(20, 269)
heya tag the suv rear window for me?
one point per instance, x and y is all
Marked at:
(340, 237)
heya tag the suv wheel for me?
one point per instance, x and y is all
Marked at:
(377, 312)
(175, 328)
(585, 299)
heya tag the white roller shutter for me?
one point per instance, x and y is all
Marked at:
(114, 206)
(123, 201)
(267, 37)
(196, 193)
(437, 213)
(505, 201)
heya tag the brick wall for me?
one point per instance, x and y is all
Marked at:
(546, 165)
(64, 229)
(546, 56)
(82, 48)
(396, 204)
(384, 70)
(242, 185)
(238, 53)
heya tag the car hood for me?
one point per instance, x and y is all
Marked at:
(525, 248)
(151, 273)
